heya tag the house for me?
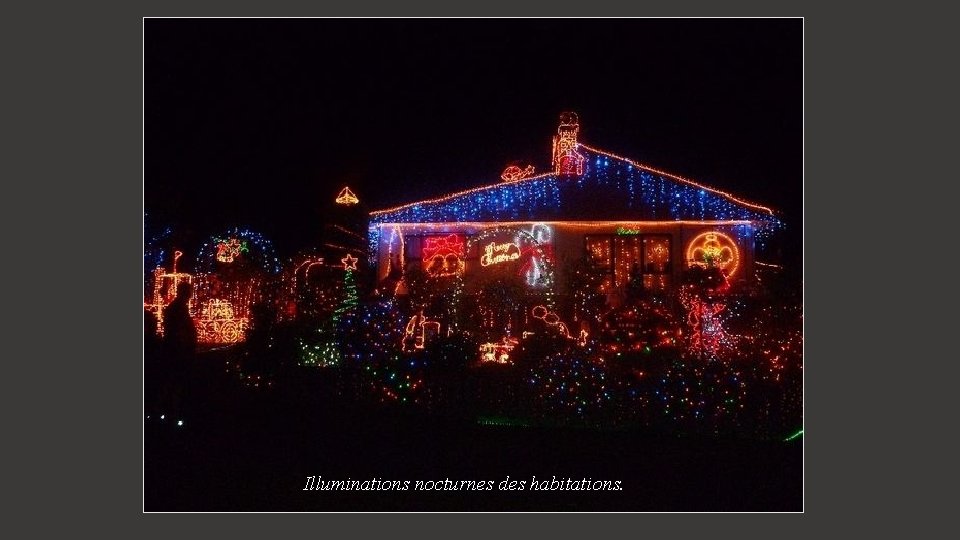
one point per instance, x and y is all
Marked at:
(636, 223)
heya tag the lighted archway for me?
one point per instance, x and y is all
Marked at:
(528, 240)
(499, 254)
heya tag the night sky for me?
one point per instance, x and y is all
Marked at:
(259, 123)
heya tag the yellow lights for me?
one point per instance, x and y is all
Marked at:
(498, 353)
(417, 332)
(227, 251)
(218, 324)
(681, 179)
(552, 319)
(346, 197)
(566, 159)
(636, 225)
(714, 249)
(349, 262)
(217, 309)
(165, 290)
(494, 253)
(656, 254)
(627, 257)
(599, 250)
(514, 173)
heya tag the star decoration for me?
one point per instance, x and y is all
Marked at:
(349, 262)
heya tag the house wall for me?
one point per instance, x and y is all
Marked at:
(568, 241)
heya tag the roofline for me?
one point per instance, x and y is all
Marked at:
(682, 179)
(586, 223)
(459, 193)
(542, 175)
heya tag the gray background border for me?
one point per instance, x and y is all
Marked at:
(83, 86)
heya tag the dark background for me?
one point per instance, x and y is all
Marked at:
(260, 122)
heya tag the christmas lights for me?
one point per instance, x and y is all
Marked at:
(706, 314)
(165, 290)
(418, 331)
(514, 173)
(629, 191)
(714, 249)
(258, 251)
(566, 159)
(443, 256)
(218, 324)
(498, 352)
(570, 387)
(741, 372)
(552, 319)
(396, 236)
(154, 252)
(535, 266)
(494, 253)
(682, 179)
(349, 262)
(533, 246)
(227, 250)
(337, 336)
(346, 197)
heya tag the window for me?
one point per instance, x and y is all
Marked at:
(626, 259)
(629, 257)
(598, 250)
(657, 265)
(600, 253)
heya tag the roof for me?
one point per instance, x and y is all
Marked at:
(611, 188)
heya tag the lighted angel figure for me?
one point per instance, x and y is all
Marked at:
(714, 250)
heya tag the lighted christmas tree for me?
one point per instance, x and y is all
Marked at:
(337, 333)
